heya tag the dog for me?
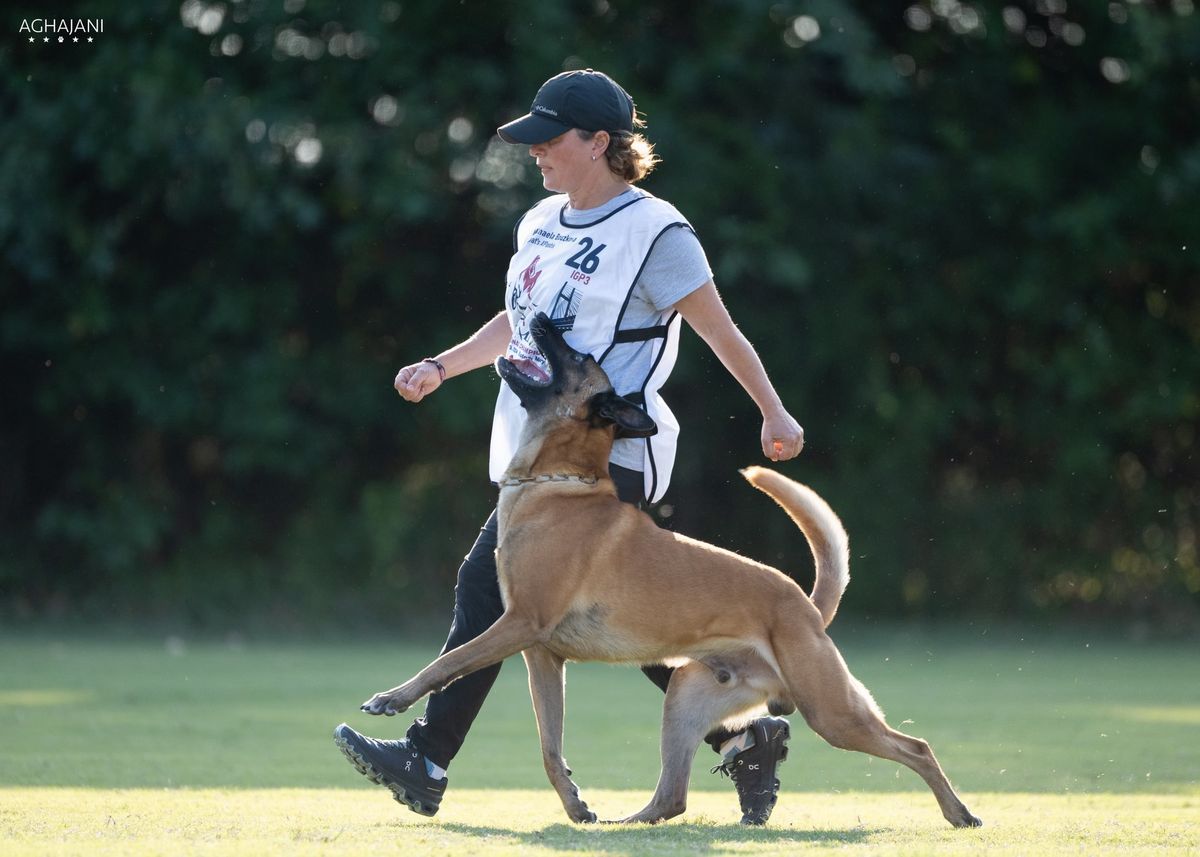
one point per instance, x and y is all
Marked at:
(586, 577)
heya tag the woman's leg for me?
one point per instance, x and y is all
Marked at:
(449, 713)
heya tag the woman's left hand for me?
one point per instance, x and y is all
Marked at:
(782, 436)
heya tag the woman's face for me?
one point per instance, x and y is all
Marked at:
(565, 161)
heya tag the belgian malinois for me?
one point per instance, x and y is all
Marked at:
(585, 577)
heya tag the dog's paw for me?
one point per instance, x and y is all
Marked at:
(387, 703)
(582, 815)
(966, 820)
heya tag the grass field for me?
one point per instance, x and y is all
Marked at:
(1068, 743)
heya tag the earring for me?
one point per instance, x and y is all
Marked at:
(593, 157)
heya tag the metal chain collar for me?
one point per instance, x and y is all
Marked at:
(514, 481)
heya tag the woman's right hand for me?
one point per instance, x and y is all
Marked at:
(417, 381)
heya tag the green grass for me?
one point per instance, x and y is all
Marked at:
(1062, 744)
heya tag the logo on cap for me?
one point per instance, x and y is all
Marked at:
(539, 108)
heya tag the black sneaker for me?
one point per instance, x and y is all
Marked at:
(395, 764)
(753, 770)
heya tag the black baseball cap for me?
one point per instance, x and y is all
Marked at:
(585, 99)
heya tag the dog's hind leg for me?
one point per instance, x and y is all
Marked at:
(840, 710)
(698, 699)
(508, 635)
(546, 674)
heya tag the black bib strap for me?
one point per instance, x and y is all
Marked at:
(641, 334)
(637, 397)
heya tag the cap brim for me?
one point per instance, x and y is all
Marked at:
(531, 128)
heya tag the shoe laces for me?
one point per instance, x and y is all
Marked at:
(726, 769)
(398, 746)
(749, 779)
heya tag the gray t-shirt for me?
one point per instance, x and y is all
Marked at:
(675, 268)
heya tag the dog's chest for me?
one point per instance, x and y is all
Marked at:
(585, 634)
(580, 630)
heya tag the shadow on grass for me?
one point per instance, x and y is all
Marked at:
(684, 838)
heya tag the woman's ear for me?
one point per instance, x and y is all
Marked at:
(600, 141)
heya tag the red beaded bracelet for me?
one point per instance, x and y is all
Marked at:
(441, 369)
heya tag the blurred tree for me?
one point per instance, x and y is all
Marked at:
(958, 235)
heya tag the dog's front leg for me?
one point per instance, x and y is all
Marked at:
(508, 635)
(546, 673)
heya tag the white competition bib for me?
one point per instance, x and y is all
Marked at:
(582, 278)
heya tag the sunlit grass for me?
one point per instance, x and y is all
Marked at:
(1188, 715)
(1061, 744)
(41, 698)
(529, 822)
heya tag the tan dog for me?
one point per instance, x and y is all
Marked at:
(586, 577)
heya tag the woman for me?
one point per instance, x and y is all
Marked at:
(615, 268)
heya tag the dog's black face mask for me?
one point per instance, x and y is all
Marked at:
(577, 386)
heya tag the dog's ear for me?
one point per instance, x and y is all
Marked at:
(631, 420)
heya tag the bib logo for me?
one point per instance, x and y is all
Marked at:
(529, 276)
(520, 293)
(61, 30)
(563, 310)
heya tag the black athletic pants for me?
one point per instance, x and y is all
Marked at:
(449, 714)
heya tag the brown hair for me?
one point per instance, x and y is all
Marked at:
(630, 155)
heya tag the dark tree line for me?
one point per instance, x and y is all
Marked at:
(963, 238)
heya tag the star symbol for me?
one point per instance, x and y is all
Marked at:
(45, 38)
(60, 40)
(31, 38)
(89, 38)
(75, 39)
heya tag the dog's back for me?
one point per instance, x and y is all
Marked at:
(642, 594)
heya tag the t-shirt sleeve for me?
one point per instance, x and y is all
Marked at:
(675, 268)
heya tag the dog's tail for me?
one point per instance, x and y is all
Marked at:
(826, 536)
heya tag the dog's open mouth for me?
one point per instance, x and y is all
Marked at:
(532, 371)
(523, 372)
(533, 367)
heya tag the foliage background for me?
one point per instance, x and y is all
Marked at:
(963, 238)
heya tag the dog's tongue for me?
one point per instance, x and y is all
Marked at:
(531, 370)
